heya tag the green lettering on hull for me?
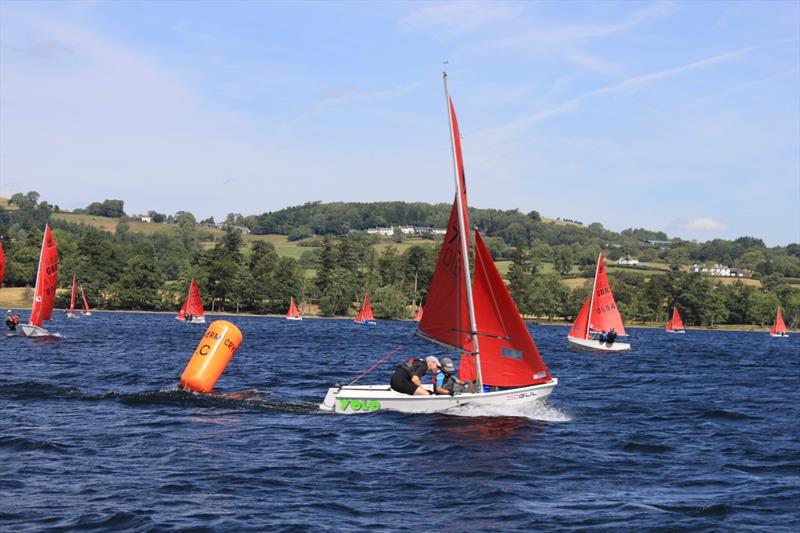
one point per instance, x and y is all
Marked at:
(359, 406)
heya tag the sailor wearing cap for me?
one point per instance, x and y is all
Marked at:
(407, 377)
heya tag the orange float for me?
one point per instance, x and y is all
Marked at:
(212, 355)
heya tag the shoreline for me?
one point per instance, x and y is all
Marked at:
(741, 328)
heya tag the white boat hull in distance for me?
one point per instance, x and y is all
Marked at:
(70, 315)
(675, 330)
(365, 322)
(594, 344)
(194, 320)
(29, 330)
(87, 314)
(785, 335)
(359, 399)
(294, 318)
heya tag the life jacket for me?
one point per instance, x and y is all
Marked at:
(449, 382)
(409, 365)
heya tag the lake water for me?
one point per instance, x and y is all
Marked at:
(696, 431)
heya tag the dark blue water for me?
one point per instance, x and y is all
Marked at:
(697, 431)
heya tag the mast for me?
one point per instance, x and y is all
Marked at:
(462, 232)
(591, 302)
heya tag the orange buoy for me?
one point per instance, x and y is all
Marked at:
(211, 356)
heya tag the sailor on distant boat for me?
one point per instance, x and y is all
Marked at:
(611, 336)
(12, 319)
(407, 377)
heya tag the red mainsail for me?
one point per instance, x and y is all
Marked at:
(779, 328)
(675, 323)
(365, 313)
(604, 313)
(509, 357)
(74, 293)
(86, 309)
(446, 317)
(44, 296)
(293, 312)
(193, 304)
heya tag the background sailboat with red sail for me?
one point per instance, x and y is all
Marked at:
(71, 312)
(778, 328)
(44, 295)
(365, 315)
(293, 313)
(477, 319)
(675, 324)
(192, 309)
(87, 311)
(2, 264)
(599, 314)
(418, 316)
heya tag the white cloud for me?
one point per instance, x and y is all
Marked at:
(704, 224)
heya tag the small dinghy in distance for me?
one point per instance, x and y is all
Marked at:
(779, 328)
(365, 316)
(87, 311)
(44, 295)
(479, 320)
(598, 314)
(192, 309)
(71, 312)
(293, 313)
(675, 324)
(418, 316)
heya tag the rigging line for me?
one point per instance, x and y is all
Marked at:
(376, 365)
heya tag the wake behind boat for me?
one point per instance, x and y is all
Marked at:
(479, 320)
(598, 316)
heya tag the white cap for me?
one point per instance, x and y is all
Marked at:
(432, 359)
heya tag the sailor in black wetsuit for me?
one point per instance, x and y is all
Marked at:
(611, 337)
(407, 377)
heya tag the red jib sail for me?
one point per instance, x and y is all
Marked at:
(580, 328)
(675, 323)
(44, 296)
(86, 309)
(293, 312)
(74, 293)
(779, 327)
(193, 304)
(509, 357)
(604, 313)
(2, 264)
(446, 317)
(365, 313)
(418, 316)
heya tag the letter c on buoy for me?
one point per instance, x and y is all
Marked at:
(211, 356)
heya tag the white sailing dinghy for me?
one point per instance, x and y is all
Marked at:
(778, 328)
(71, 312)
(192, 309)
(675, 324)
(598, 314)
(365, 315)
(478, 319)
(293, 313)
(44, 295)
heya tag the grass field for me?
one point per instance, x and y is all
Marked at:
(15, 297)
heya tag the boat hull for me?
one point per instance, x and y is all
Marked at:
(294, 318)
(594, 344)
(70, 315)
(195, 320)
(365, 322)
(785, 335)
(359, 399)
(675, 330)
(29, 330)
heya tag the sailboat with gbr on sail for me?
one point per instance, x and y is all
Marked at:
(598, 315)
(44, 295)
(478, 319)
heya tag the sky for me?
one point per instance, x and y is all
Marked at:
(682, 117)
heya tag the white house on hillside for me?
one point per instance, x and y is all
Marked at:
(627, 260)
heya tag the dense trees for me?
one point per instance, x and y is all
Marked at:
(127, 269)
